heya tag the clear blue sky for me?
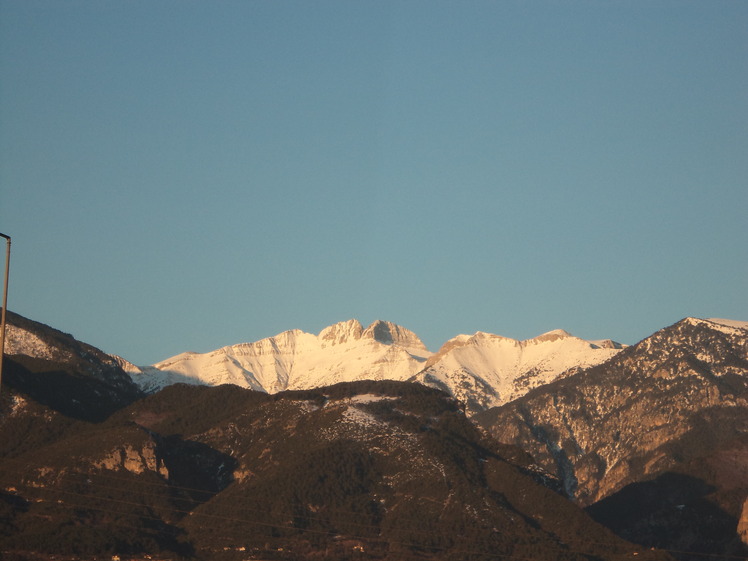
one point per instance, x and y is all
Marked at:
(183, 175)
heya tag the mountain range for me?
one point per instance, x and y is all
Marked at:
(481, 370)
(642, 453)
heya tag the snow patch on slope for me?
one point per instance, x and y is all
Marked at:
(19, 341)
(730, 323)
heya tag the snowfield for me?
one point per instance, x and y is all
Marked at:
(482, 370)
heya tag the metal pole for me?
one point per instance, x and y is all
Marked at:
(5, 306)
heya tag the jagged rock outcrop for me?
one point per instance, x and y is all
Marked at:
(133, 459)
(342, 332)
(743, 523)
(391, 334)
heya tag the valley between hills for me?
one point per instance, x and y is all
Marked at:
(359, 443)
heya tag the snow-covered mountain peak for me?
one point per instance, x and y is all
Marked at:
(554, 335)
(481, 337)
(486, 370)
(177, 358)
(285, 342)
(295, 359)
(341, 332)
(389, 333)
(454, 342)
(458, 339)
(289, 337)
(482, 369)
(696, 321)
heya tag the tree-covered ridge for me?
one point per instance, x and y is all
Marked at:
(370, 470)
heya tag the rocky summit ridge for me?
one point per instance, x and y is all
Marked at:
(481, 370)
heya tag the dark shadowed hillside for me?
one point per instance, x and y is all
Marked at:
(67, 375)
(371, 470)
